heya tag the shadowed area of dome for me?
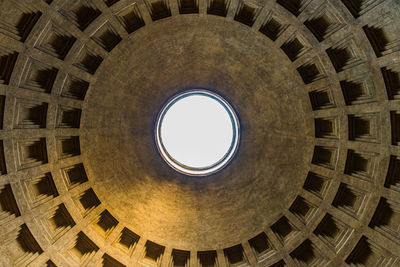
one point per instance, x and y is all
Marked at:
(314, 180)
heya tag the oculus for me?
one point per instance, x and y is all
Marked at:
(197, 132)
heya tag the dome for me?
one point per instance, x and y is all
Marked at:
(312, 88)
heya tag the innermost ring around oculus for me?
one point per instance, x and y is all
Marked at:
(197, 132)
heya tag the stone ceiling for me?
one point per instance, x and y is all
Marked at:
(316, 86)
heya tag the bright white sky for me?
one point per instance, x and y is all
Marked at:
(197, 131)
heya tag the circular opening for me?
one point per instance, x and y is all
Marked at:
(197, 132)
